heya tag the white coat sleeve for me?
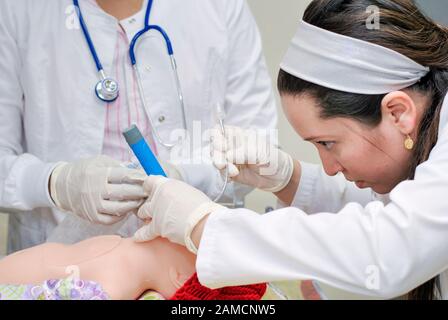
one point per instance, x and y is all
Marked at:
(376, 250)
(249, 98)
(23, 177)
(318, 192)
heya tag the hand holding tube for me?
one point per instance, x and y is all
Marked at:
(97, 189)
(172, 211)
(251, 159)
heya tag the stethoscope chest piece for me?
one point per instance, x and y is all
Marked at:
(107, 90)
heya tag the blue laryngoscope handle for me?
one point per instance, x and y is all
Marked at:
(143, 152)
(147, 159)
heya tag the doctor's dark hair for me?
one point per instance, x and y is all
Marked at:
(405, 29)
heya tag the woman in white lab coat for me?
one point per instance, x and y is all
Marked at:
(373, 102)
(49, 112)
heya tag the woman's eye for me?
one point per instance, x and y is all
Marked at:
(327, 144)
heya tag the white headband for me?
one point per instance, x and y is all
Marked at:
(348, 64)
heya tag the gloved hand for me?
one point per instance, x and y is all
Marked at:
(251, 159)
(172, 211)
(97, 189)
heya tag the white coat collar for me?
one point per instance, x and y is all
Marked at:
(131, 25)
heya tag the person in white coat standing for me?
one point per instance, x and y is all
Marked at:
(53, 126)
(373, 100)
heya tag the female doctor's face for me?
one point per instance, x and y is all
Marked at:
(371, 157)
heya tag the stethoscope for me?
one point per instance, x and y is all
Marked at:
(107, 89)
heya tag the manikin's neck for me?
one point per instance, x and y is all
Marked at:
(121, 9)
(162, 266)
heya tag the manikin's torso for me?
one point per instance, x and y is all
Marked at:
(124, 269)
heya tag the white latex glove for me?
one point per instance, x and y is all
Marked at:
(98, 189)
(251, 158)
(172, 211)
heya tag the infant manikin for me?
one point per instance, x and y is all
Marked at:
(125, 269)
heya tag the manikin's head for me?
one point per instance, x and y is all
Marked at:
(363, 136)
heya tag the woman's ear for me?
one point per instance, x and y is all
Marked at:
(399, 108)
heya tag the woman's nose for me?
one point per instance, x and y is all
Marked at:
(331, 165)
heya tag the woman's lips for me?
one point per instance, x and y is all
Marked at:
(359, 183)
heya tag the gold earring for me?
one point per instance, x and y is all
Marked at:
(409, 143)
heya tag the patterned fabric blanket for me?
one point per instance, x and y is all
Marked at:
(66, 289)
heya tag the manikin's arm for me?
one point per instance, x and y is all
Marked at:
(123, 268)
